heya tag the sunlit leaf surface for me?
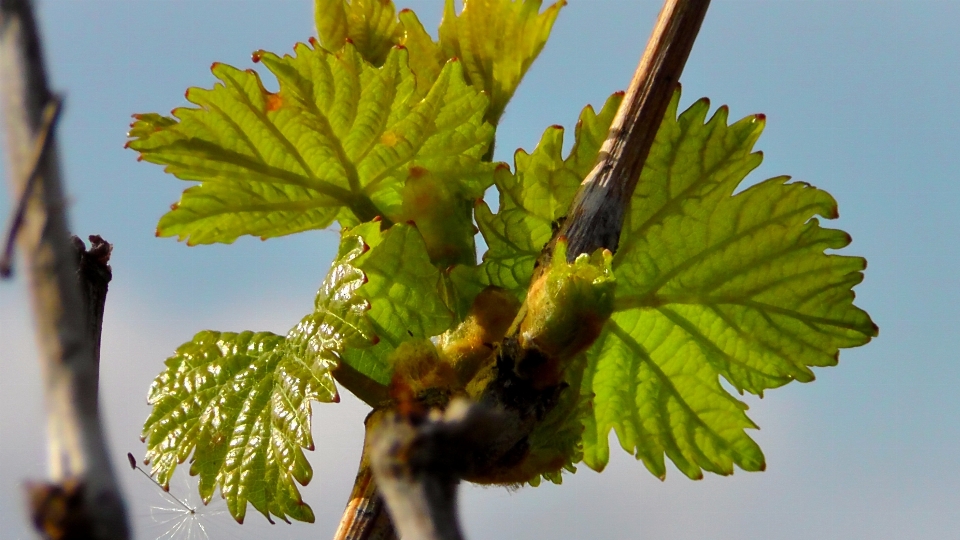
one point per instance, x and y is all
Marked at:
(714, 284)
(338, 141)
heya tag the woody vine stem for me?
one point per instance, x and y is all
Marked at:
(82, 499)
(418, 456)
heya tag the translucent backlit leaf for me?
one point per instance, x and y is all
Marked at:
(338, 141)
(497, 40)
(709, 285)
(537, 196)
(241, 404)
(425, 55)
(371, 25)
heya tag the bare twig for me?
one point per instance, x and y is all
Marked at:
(50, 115)
(79, 464)
(596, 217)
(93, 277)
(417, 462)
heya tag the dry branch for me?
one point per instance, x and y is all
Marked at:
(78, 460)
(596, 216)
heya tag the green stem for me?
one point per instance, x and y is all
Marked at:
(364, 210)
(368, 390)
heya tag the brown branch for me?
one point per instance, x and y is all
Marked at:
(596, 216)
(418, 461)
(365, 517)
(78, 460)
(93, 277)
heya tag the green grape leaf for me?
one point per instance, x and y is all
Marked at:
(241, 404)
(425, 55)
(403, 289)
(337, 141)
(537, 196)
(710, 284)
(221, 391)
(371, 25)
(497, 40)
(339, 320)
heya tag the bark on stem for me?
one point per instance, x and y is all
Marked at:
(596, 216)
(78, 459)
(418, 458)
(418, 461)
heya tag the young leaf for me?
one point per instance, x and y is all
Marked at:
(565, 311)
(371, 25)
(336, 142)
(497, 40)
(212, 387)
(425, 56)
(538, 195)
(714, 284)
(339, 320)
(241, 405)
(403, 290)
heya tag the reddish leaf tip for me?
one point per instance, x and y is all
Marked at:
(503, 166)
(214, 66)
(557, 126)
(377, 219)
(400, 47)
(313, 41)
(157, 233)
(375, 340)
(335, 399)
(127, 144)
(174, 206)
(760, 117)
(348, 40)
(405, 10)
(620, 93)
(140, 157)
(417, 171)
(256, 56)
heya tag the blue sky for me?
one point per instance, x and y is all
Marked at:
(861, 99)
